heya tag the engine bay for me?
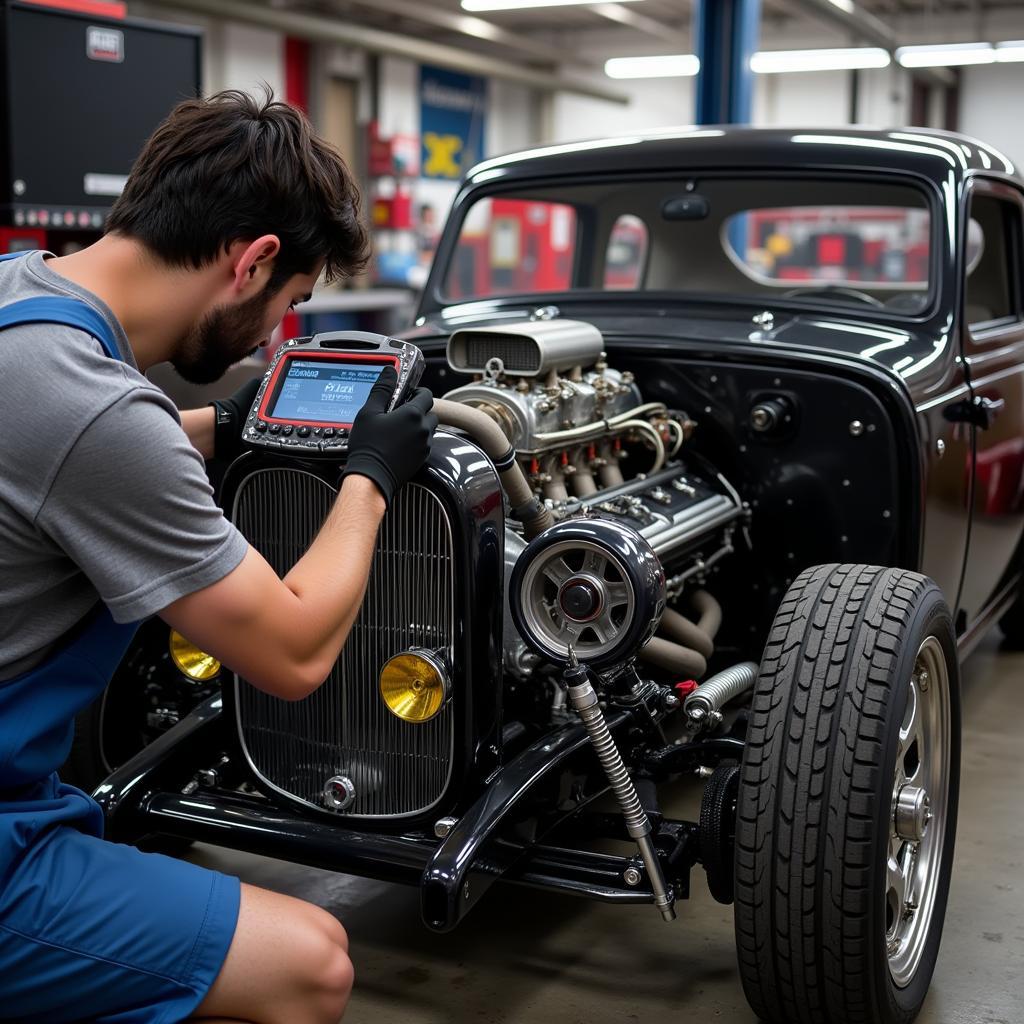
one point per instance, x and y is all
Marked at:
(611, 474)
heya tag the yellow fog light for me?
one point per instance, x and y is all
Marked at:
(414, 685)
(190, 660)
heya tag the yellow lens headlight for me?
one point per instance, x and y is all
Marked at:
(414, 685)
(191, 661)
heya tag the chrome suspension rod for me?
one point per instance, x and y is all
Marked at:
(584, 701)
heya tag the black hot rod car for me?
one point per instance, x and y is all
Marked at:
(730, 479)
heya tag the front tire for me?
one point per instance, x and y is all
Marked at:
(854, 739)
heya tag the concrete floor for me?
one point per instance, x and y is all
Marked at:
(528, 956)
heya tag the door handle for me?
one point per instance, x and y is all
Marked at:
(979, 411)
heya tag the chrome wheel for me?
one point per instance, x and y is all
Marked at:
(917, 822)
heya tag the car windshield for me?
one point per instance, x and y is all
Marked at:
(849, 243)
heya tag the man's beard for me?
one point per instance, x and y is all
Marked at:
(225, 336)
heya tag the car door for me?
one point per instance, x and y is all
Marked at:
(992, 340)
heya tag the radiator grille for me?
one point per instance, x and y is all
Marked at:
(518, 355)
(344, 728)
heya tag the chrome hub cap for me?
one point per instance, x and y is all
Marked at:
(912, 814)
(917, 821)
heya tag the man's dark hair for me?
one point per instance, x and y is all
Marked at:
(235, 167)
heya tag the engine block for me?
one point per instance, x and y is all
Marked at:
(574, 423)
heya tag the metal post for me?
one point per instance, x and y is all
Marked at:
(726, 32)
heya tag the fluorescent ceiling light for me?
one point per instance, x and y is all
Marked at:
(945, 55)
(1011, 50)
(515, 5)
(774, 62)
(675, 65)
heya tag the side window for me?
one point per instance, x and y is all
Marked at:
(626, 256)
(991, 260)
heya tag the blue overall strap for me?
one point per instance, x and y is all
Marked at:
(58, 310)
(61, 310)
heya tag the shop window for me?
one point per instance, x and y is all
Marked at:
(626, 256)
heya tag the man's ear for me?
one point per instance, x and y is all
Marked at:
(251, 262)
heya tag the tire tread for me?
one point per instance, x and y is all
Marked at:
(805, 831)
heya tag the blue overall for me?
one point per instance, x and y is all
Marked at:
(89, 930)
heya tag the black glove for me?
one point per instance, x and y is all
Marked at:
(228, 418)
(388, 447)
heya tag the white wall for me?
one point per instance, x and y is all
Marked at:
(251, 56)
(810, 99)
(990, 97)
(398, 96)
(653, 103)
(513, 117)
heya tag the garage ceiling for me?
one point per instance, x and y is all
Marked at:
(547, 47)
(667, 20)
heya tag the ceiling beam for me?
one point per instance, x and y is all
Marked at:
(475, 28)
(864, 25)
(318, 28)
(623, 15)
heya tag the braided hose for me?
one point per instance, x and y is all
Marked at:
(584, 700)
(713, 694)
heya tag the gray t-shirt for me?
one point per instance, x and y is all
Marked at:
(102, 497)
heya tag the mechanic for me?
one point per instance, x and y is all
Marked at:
(230, 214)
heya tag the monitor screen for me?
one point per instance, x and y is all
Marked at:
(78, 98)
(324, 391)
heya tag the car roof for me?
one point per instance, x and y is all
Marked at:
(929, 152)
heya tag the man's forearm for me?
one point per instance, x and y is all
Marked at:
(198, 425)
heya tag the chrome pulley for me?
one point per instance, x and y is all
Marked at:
(591, 584)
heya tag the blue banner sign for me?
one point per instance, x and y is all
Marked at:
(453, 110)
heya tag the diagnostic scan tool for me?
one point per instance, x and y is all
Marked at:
(315, 386)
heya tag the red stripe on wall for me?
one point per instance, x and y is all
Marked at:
(99, 8)
(296, 73)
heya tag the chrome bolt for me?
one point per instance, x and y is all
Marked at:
(207, 778)
(923, 681)
(670, 702)
(443, 826)
(940, 447)
(703, 772)
(631, 876)
(911, 814)
(856, 428)
(339, 793)
(892, 947)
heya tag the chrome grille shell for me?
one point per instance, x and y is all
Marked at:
(398, 769)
